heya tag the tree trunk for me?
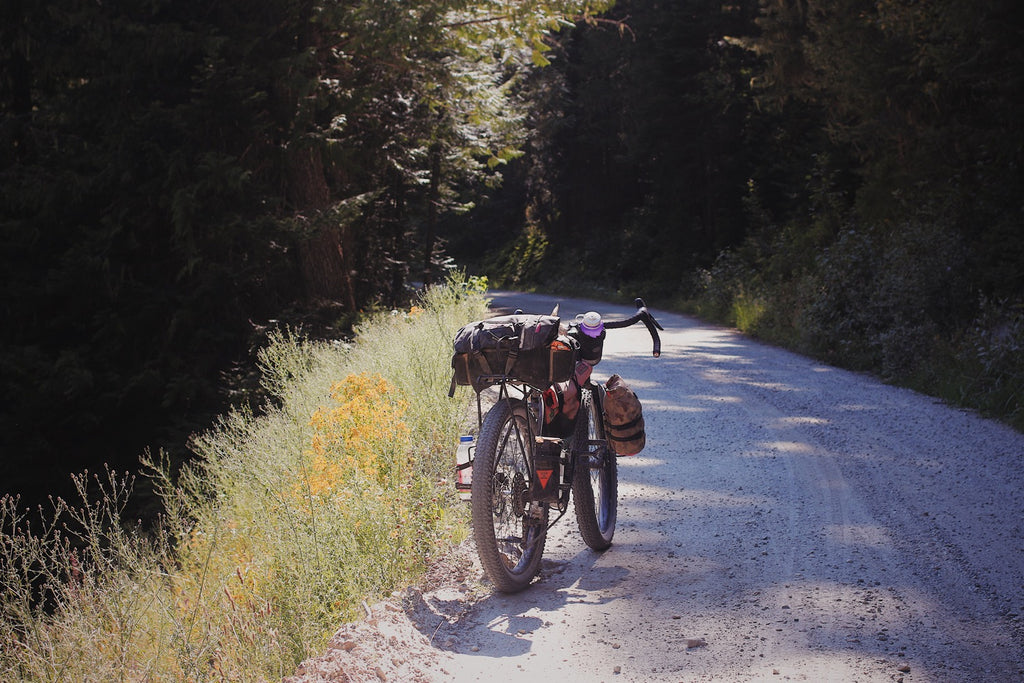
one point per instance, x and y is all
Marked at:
(325, 260)
(433, 199)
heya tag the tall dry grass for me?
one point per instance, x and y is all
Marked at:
(337, 493)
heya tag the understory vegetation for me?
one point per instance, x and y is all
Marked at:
(337, 492)
(899, 301)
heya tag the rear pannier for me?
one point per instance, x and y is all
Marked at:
(623, 418)
(524, 348)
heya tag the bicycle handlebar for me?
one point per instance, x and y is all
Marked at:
(644, 316)
(641, 315)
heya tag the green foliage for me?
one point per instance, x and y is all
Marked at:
(652, 164)
(893, 300)
(748, 311)
(133, 254)
(523, 260)
(636, 167)
(982, 365)
(175, 175)
(843, 177)
(882, 298)
(338, 493)
(884, 270)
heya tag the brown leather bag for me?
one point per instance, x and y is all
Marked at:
(623, 418)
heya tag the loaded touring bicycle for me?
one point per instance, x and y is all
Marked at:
(551, 434)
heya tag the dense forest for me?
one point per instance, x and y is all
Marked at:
(178, 177)
(842, 178)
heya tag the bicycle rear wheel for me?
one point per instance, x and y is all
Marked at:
(595, 482)
(509, 531)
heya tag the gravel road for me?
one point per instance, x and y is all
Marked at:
(786, 521)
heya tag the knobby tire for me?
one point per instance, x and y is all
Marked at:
(509, 532)
(595, 482)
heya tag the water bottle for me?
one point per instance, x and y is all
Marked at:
(464, 466)
(591, 336)
(591, 323)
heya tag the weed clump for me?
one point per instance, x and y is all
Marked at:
(337, 493)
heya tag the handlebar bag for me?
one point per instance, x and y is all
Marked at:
(519, 347)
(623, 417)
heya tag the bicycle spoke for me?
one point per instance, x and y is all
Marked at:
(508, 542)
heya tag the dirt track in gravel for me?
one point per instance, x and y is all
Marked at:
(787, 521)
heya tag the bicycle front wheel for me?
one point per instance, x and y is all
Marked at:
(509, 530)
(595, 481)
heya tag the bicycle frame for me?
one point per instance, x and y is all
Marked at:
(571, 450)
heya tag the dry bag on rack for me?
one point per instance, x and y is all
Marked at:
(525, 348)
(623, 418)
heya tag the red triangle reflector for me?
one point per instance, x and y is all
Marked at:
(544, 476)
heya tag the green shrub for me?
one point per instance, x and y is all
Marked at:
(989, 360)
(748, 310)
(719, 286)
(884, 297)
(894, 299)
(522, 260)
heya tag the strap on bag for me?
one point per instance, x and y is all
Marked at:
(510, 362)
(628, 425)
